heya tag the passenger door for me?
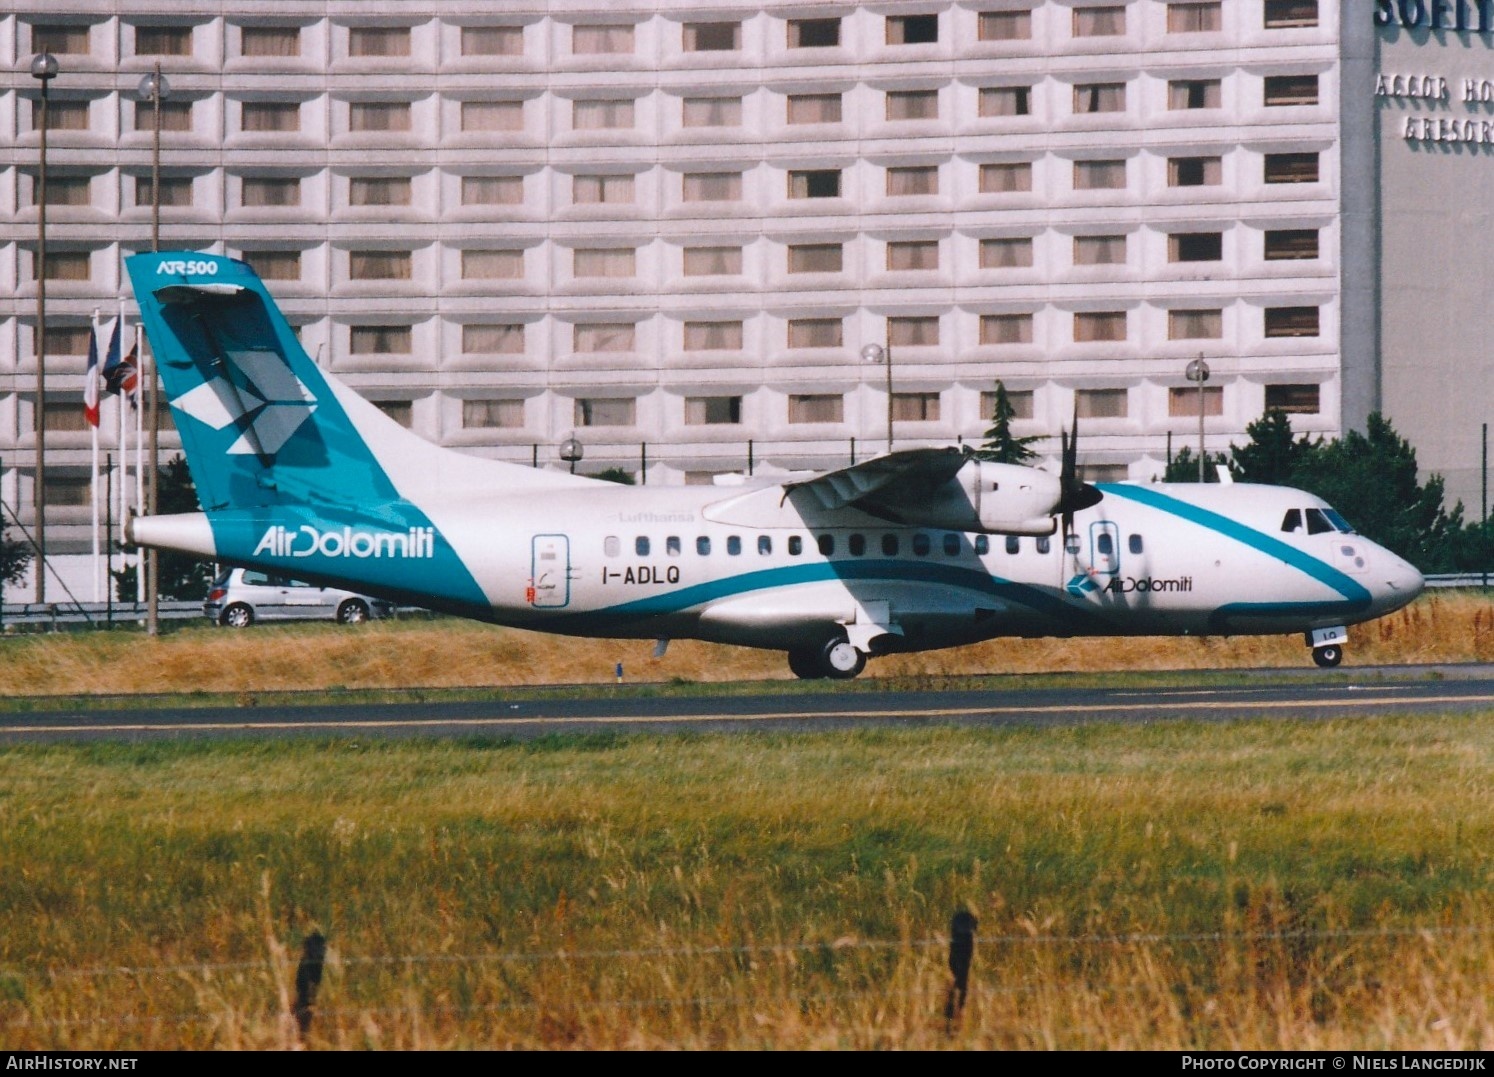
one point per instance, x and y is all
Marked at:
(550, 572)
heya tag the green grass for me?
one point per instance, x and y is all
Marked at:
(1253, 884)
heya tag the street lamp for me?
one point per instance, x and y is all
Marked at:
(1198, 371)
(155, 89)
(571, 452)
(44, 69)
(875, 353)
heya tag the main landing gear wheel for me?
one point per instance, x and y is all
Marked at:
(1328, 656)
(841, 661)
(802, 664)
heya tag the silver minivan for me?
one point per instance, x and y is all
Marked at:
(241, 596)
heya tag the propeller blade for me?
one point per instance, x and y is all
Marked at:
(1074, 492)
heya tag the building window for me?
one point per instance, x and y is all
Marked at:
(1291, 244)
(1104, 325)
(379, 339)
(599, 337)
(401, 411)
(1195, 324)
(814, 258)
(607, 411)
(175, 116)
(492, 41)
(493, 265)
(1099, 250)
(375, 41)
(1100, 403)
(379, 265)
(913, 255)
(492, 190)
(1194, 171)
(1005, 101)
(1020, 401)
(1006, 178)
(1006, 328)
(713, 36)
(1099, 175)
(270, 42)
(67, 339)
(176, 191)
(67, 266)
(912, 29)
(711, 112)
(1194, 93)
(62, 115)
(263, 192)
(912, 105)
(601, 115)
(813, 108)
(814, 333)
(1291, 321)
(1283, 90)
(275, 265)
(163, 41)
(913, 332)
(1194, 18)
(713, 410)
(915, 407)
(497, 339)
(816, 408)
(1004, 25)
(593, 190)
(1294, 399)
(713, 336)
(1291, 168)
(379, 191)
(379, 116)
(67, 190)
(602, 40)
(1283, 14)
(711, 187)
(814, 183)
(1099, 21)
(813, 33)
(605, 262)
(1012, 253)
(66, 491)
(1182, 402)
(1195, 247)
(60, 39)
(1099, 97)
(262, 116)
(493, 414)
(914, 180)
(484, 116)
(712, 261)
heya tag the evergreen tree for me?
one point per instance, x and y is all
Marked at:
(1270, 456)
(15, 556)
(1001, 446)
(615, 474)
(1183, 467)
(183, 577)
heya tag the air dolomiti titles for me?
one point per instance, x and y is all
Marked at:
(306, 540)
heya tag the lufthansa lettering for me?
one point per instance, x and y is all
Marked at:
(1459, 16)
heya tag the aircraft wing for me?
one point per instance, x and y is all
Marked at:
(905, 477)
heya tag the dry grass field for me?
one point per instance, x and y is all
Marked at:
(1441, 627)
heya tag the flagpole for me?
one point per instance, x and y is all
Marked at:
(93, 430)
(139, 465)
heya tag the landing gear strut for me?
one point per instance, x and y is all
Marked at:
(836, 658)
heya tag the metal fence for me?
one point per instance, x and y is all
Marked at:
(95, 614)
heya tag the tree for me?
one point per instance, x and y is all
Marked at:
(1183, 467)
(1270, 457)
(1001, 446)
(183, 577)
(615, 474)
(15, 556)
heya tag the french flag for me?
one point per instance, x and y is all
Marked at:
(91, 382)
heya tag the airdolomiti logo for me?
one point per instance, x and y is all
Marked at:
(306, 540)
(262, 390)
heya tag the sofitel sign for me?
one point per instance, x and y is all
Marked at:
(1460, 16)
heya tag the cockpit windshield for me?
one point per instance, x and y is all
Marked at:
(1315, 521)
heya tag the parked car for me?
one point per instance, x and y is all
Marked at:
(241, 596)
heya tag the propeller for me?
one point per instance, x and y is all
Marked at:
(1074, 493)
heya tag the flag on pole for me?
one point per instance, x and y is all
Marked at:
(121, 375)
(91, 382)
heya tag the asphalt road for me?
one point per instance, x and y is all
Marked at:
(1288, 694)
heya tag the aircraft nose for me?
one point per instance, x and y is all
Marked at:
(1403, 581)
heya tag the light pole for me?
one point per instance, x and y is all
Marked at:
(875, 353)
(1198, 371)
(155, 89)
(571, 451)
(44, 69)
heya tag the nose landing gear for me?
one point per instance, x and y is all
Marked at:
(1328, 645)
(1329, 656)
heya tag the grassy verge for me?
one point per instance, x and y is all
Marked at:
(1250, 885)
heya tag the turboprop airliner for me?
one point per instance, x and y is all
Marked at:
(914, 550)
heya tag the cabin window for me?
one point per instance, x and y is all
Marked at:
(1070, 544)
(611, 546)
(1134, 544)
(921, 545)
(733, 545)
(982, 545)
(765, 545)
(827, 545)
(1292, 521)
(1044, 544)
(889, 545)
(1013, 544)
(672, 545)
(951, 545)
(640, 545)
(857, 544)
(795, 545)
(703, 546)
(1104, 544)
(1317, 523)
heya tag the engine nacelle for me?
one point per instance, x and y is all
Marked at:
(1005, 499)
